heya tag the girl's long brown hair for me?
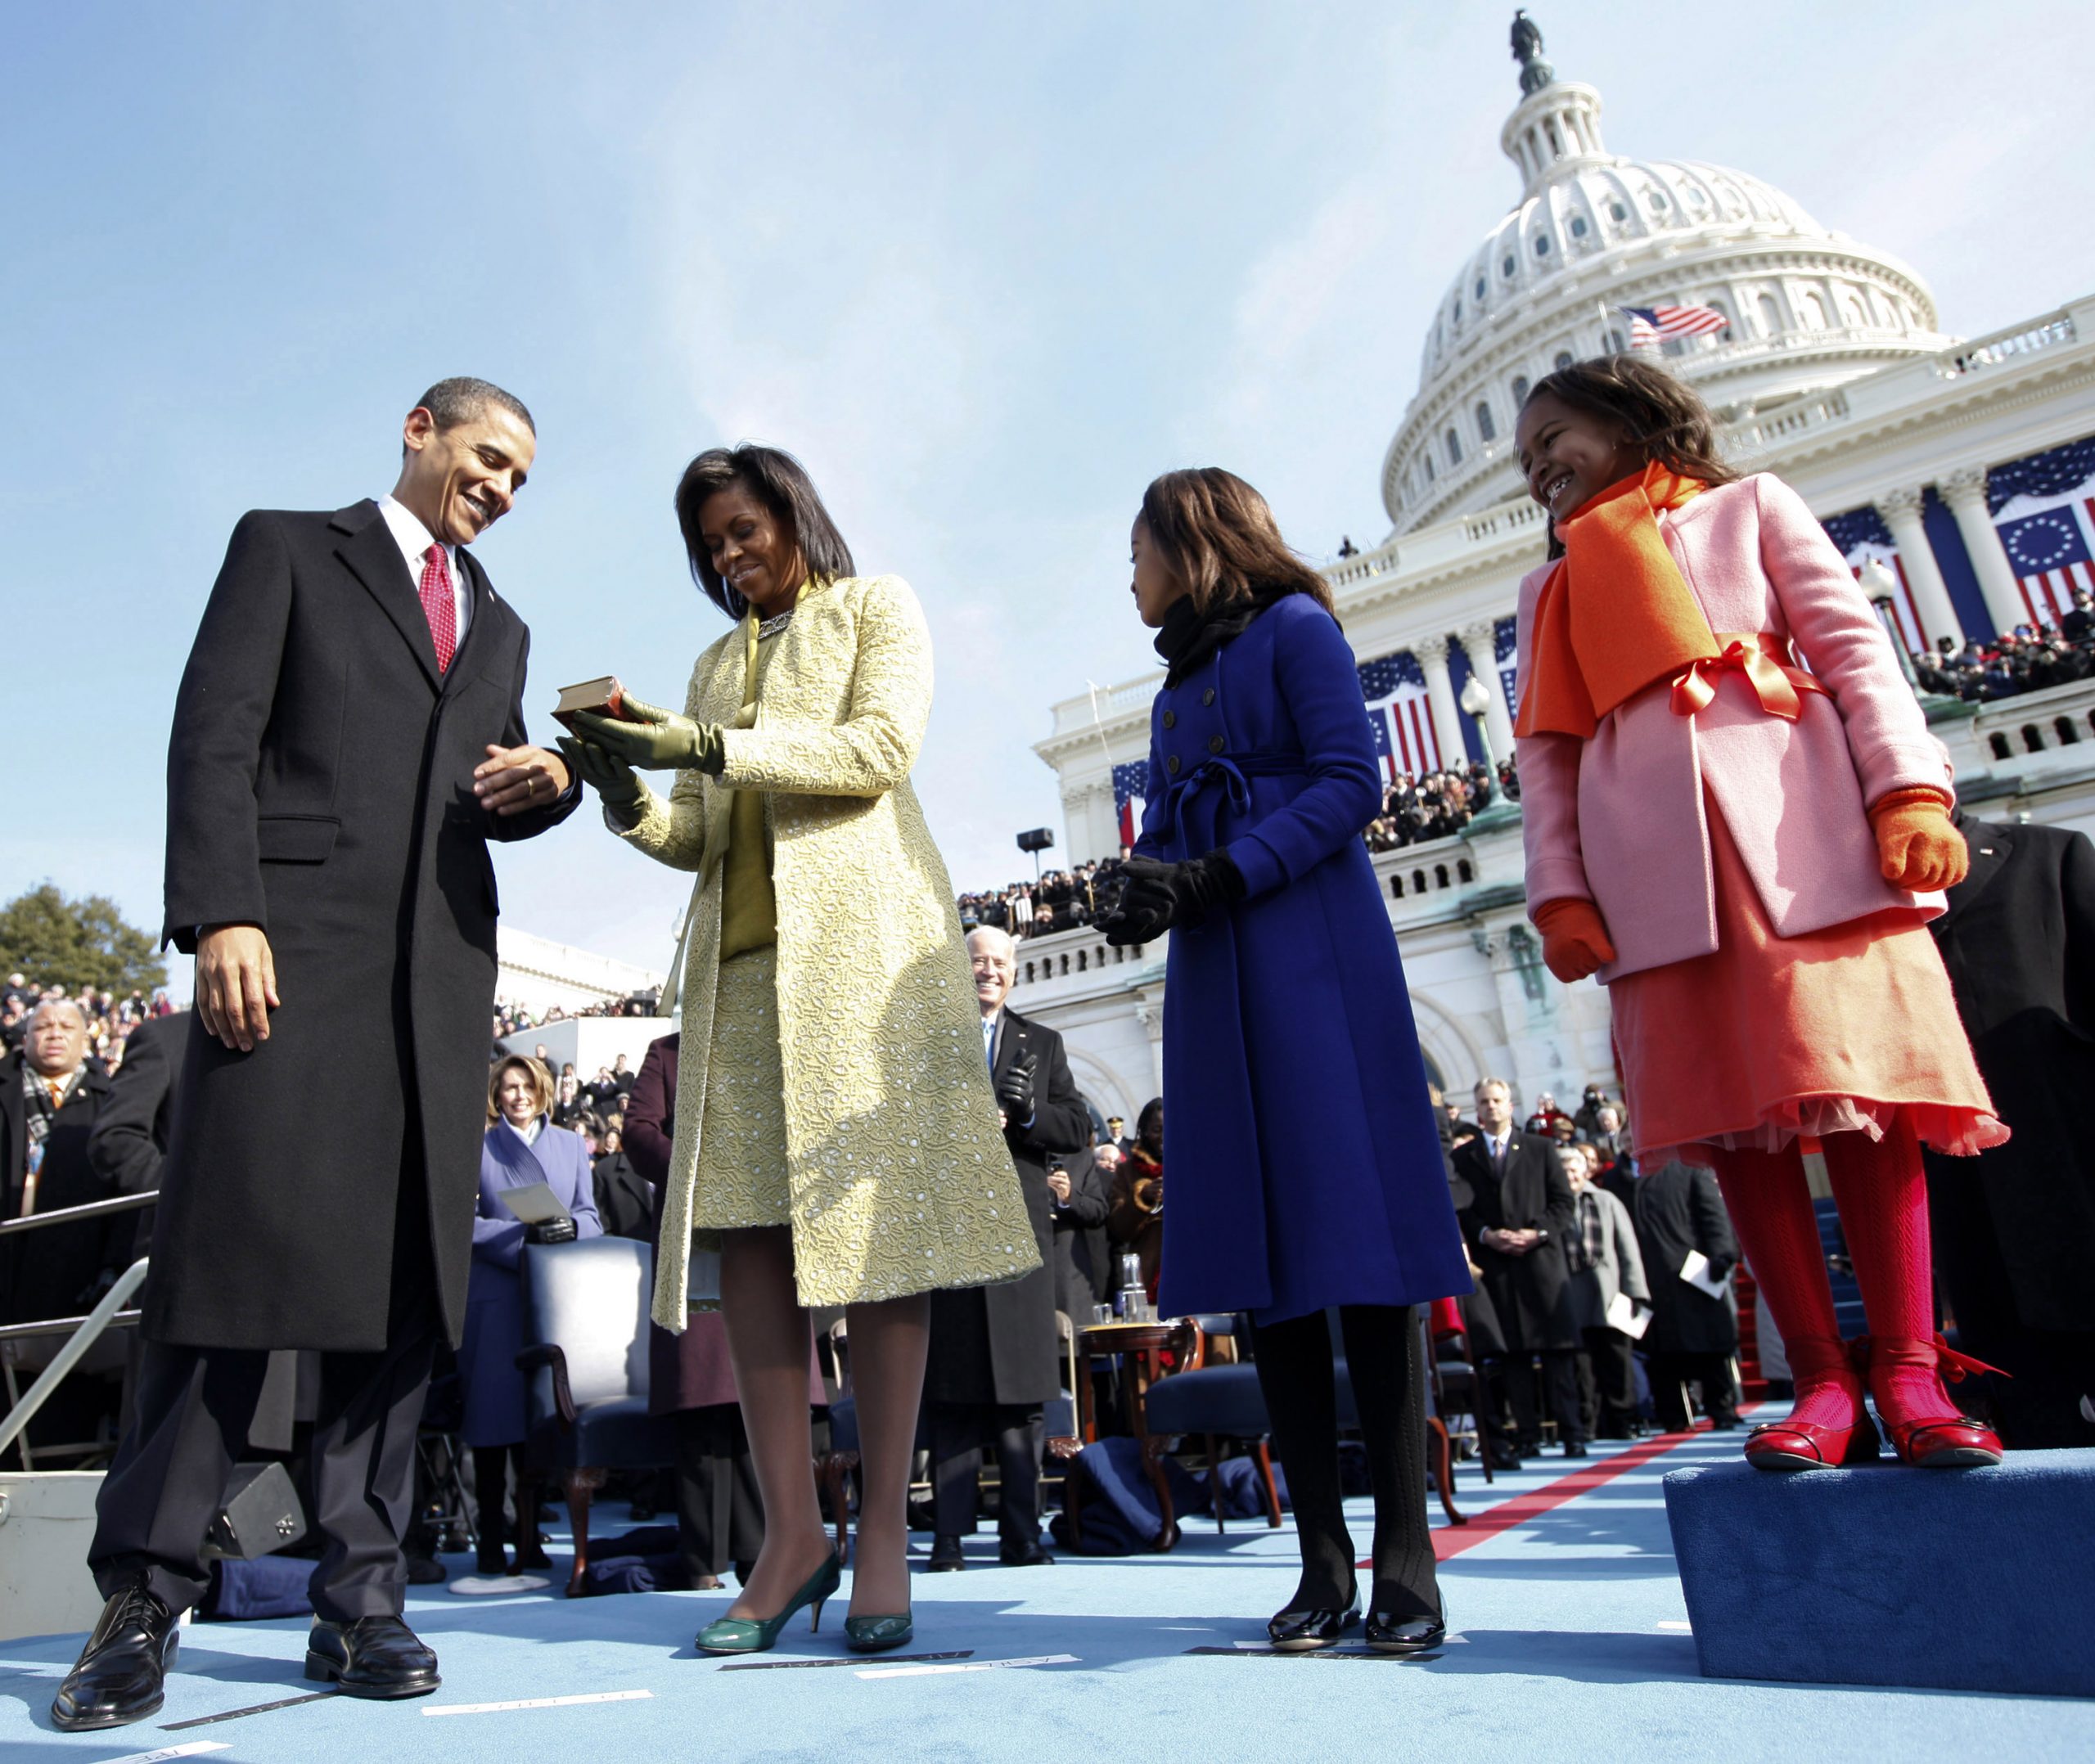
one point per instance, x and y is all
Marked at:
(1220, 537)
(1662, 417)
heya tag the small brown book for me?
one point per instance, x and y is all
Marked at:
(602, 696)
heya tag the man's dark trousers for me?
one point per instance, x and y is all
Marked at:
(957, 1431)
(194, 1407)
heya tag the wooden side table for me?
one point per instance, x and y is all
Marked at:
(1141, 1346)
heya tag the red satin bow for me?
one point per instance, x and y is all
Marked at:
(1763, 657)
(1954, 1366)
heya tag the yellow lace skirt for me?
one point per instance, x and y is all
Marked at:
(741, 1138)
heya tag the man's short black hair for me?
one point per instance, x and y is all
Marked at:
(462, 399)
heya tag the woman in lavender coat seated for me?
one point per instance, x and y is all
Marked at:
(522, 1147)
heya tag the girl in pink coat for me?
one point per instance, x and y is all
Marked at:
(1736, 819)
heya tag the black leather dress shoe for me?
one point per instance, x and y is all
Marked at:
(1575, 1448)
(1388, 1633)
(1305, 1632)
(946, 1558)
(122, 1671)
(1036, 1556)
(377, 1657)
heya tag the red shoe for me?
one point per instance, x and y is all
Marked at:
(1830, 1392)
(1926, 1428)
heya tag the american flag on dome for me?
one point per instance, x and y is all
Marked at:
(1399, 715)
(1129, 783)
(1649, 324)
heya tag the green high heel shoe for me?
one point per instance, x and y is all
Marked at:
(877, 1635)
(754, 1634)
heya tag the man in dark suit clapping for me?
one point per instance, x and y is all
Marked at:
(1519, 1215)
(347, 737)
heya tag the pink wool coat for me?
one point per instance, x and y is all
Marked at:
(1619, 819)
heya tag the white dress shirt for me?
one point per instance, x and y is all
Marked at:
(414, 540)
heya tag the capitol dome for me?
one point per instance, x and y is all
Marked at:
(1593, 232)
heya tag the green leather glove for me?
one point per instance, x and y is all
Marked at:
(610, 777)
(660, 740)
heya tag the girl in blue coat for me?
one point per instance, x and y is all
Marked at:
(1305, 1162)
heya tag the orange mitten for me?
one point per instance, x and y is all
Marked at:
(1917, 845)
(1574, 940)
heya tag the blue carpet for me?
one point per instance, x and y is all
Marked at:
(1570, 1643)
(1953, 1580)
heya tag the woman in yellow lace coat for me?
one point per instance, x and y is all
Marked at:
(835, 1121)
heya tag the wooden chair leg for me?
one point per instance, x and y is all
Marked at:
(1214, 1481)
(1153, 1449)
(832, 1471)
(1064, 1450)
(1265, 1456)
(582, 1483)
(1444, 1469)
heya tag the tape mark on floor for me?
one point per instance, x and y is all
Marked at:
(190, 1750)
(540, 1703)
(896, 1659)
(969, 1666)
(259, 1708)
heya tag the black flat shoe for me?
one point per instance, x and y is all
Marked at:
(121, 1674)
(946, 1557)
(1575, 1448)
(1305, 1632)
(1388, 1633)
(1035, 1557)
(375, 1657)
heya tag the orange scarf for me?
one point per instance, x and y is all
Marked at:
(1615, 614)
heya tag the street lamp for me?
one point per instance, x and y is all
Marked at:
(1882, 587)
(1476, 700)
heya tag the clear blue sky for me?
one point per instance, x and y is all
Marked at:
(986, 269)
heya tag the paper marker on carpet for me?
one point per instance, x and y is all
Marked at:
(969, 1666)
(540, 1703)
(189, 1749)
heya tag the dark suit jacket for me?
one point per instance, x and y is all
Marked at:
(624, 1202)
(996, 1343)
(2019, 942)
(1077, 1272)
(1527, 1291)
(320, 786)
(1677, 1209)
(128, 1146)
(51, 1272)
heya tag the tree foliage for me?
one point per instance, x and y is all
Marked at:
(53, 941)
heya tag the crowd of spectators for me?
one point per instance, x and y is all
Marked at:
(109, 1018)
(1060, 900)
(512, 1019)
(2028, 659)
(1434, 804)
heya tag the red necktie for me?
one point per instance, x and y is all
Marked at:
(441, 608)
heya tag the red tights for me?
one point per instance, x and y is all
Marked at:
(1882, 1190)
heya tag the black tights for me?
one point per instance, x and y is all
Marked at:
(1385, 1363)
(491, 1466)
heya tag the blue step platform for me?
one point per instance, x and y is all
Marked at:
(1936, 1580)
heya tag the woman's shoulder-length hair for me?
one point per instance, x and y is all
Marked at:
(1219, 537)
(782, 484)
(541, 1083)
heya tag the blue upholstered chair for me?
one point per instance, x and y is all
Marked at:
(585, 1327)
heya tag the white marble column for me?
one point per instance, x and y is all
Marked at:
(1965, 492)
(1901, 510)
(1432, 653)
(1481, 644)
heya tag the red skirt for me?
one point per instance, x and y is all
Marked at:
(1769, 1039)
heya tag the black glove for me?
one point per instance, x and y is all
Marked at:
(1160, 895)
(551, 1231)
(1015, 1091)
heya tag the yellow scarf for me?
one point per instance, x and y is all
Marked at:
(1615, 614)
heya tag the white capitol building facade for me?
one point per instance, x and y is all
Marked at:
(1966, 468)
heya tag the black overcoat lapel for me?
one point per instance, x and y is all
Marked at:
(1991, 846)
(368, 548)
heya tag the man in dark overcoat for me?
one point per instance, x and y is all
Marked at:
(1692, 1337)
(348, 736)
(51, 1094)
(2014, 1227)
(1080, 1188)
(1519, 1214)
(992, 1367)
